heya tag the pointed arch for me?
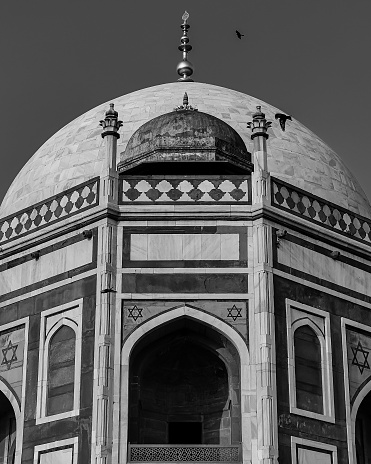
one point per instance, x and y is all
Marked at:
(299, 315)
(11, 396)
(361, 395)
(52, 320)
(308, 356)
(63, 335)
(247, 386)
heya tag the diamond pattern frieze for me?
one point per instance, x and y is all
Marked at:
(319, 211)
(60, 206)
(213, 189)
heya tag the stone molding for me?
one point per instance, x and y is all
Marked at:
(189, 189)
(319, 211)
(50, 211)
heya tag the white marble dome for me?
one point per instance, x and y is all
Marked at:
(76, 152)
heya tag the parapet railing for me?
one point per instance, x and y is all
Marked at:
(319, 211)
(184, 453)
(210, 189)
(54, 209)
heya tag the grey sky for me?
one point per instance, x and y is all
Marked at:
(309, 58)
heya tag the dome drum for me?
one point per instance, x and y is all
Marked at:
(166, 149)
(185, 136)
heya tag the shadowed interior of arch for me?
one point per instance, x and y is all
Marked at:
(7, 431)
(184, 387)
(363, 431)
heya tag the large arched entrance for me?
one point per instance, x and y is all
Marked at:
(228, 353)
(184, 387)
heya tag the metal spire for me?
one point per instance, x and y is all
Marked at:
(185, 68)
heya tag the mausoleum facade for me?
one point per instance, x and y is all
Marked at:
(184, 279)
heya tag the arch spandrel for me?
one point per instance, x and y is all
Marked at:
(232, 313)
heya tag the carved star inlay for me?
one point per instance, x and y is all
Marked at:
(135, 312)
(9, 360)
(234, 312)
(362, 364)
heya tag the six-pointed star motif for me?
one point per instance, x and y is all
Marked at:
(363, 364)
(234, 312)
(8, 361)
(135, 312)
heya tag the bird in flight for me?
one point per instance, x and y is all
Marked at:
(282, 118)
(239, 35)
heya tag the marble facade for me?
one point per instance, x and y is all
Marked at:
(234, 264)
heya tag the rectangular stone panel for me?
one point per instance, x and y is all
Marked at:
(315, 263)
(48, 265)
(61, 456)
(310, 456)
(175, 247)
(185, 283)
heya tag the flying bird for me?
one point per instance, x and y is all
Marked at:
(282, 119)
(239, 35)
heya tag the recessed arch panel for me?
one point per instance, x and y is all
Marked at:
(185, 311)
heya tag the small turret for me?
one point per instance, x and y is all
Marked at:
(111, 123)
(261, 180)
(259, 125)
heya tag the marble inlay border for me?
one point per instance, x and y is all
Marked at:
(185, 189)
(179, 233)
(50, 211)
(319, 211)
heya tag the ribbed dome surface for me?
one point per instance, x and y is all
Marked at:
(76, 153)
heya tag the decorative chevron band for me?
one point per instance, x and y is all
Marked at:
(184, 189)
(47, 212)
(312, 208)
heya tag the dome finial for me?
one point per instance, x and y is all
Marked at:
(185, 105)
(185, 99)
(185, 68)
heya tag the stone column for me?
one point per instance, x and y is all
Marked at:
(263, 339)
(106, 299)
(109, 179)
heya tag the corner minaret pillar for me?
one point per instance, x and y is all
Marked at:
(262, 347)
(106, 298)
(260, 180)
(111, 126)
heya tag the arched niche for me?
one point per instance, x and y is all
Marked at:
(246, 380)
(184, 382)
(308, 368)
